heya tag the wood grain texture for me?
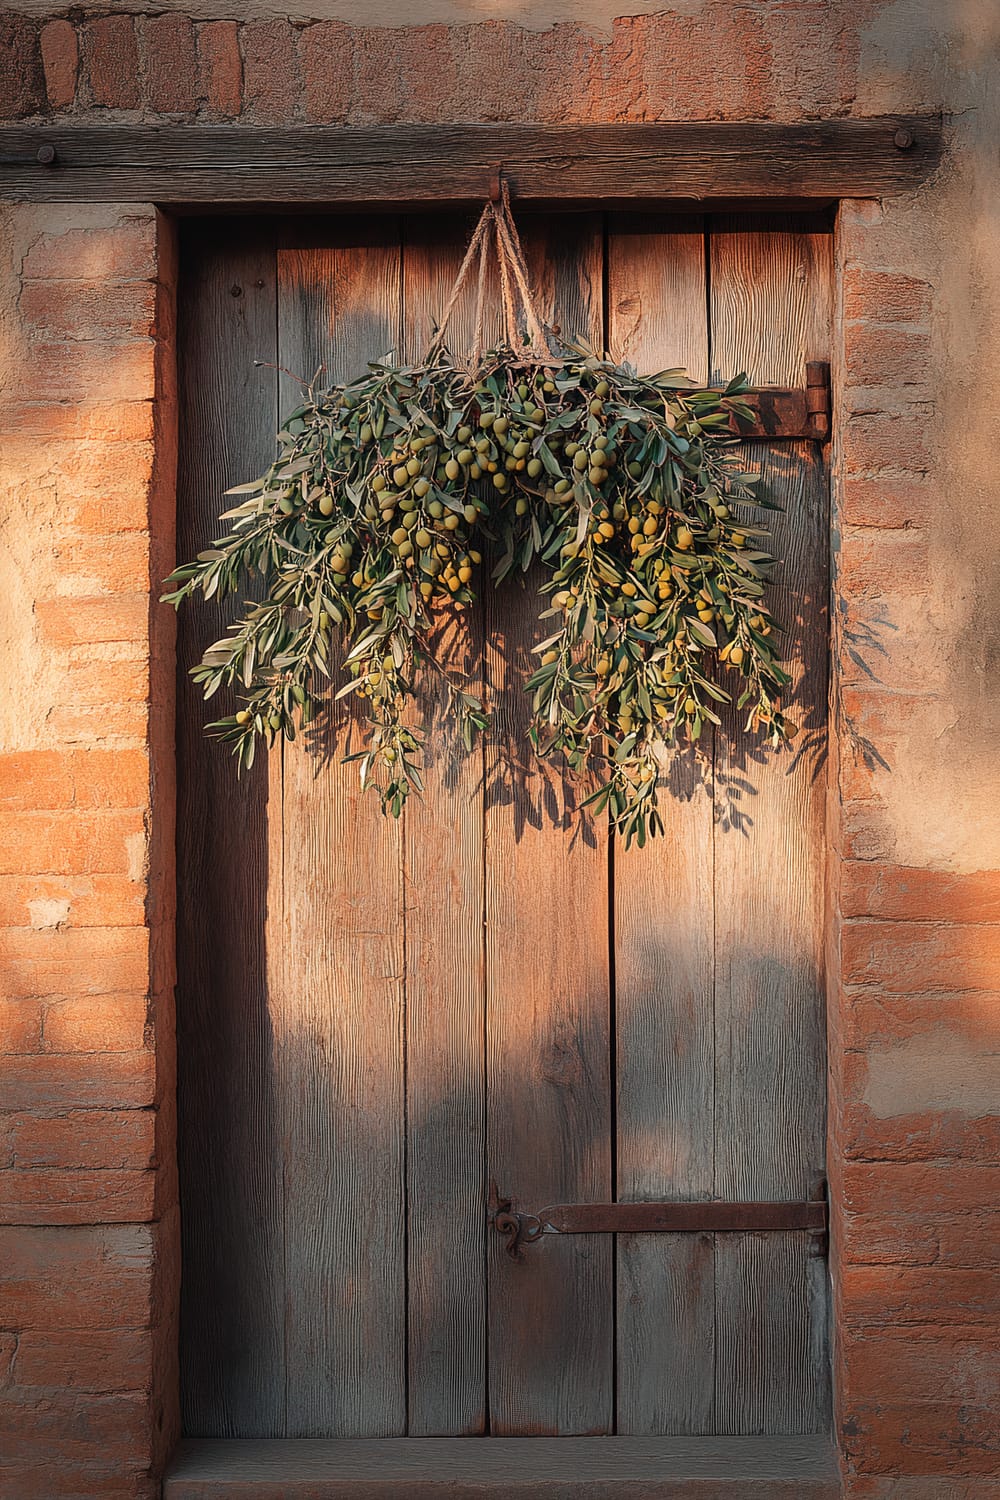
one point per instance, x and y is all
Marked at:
(446, 1196)
(473, 1469)
(549, 1105)
(232, 1356)
(340, 1042)
(771, 298)
(614, 164)
(663, 914)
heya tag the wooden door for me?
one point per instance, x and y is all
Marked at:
(376, 1018)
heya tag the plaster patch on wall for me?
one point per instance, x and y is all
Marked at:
(593, 16)
(45, 914)
(929, 1074)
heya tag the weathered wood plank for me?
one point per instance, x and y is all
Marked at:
(526, 1468)
(617, 164)
(444, 967)
(663, 936)
(549, 1106)
(232, 1355)
(771, 294)
(340, 1033)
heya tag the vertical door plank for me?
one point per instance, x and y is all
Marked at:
(549, 1107)
(341, 1049)
(663, 914)
(444, 984)
(232, 1361)
(771, 287)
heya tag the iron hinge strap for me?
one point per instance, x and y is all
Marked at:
(699, 1217)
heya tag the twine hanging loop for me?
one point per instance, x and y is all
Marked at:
(495, 237)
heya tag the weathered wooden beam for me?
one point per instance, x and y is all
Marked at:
(811, 162)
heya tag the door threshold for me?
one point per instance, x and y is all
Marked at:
(596, 1468)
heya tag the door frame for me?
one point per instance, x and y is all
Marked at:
(105, 164)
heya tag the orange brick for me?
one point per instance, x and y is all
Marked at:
(968, 1131)
(98, 1362)
(111, 56)
(80, 1080)
(122, 1138)
(864, 831)
(85, 1481)
(74, 1426)
(874, 440)
(271, 82)
(921, 1365)
(20, 1024)
(99, 724)
(124, 251)
(925, 1487)
(875, 564)
(879, 356)
(104, 370)
(35, 780)
(79, 421)
(171, 69)
(886, 296)
(124, 680)
(80, 1277)
(887, 1187)
(887, 502)
(919, 958)
(221, 68)
(89, 310)
(326, 49)
(74, 961)
(72, 901)
(50, 1196)
(925, 1437)
(100, 1023)
(60, 59)
(117, 617)
(915, 895)
(73, 843)
(22, 86)
(904, 1295)
(875, 1240)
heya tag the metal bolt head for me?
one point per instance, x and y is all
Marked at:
(45, 155)
(903, 139)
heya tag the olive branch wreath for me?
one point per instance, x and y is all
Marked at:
(388, 491)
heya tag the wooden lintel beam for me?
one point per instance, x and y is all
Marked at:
(180, 166)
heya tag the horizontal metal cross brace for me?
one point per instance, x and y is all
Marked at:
(699, 1217)
(688, 163)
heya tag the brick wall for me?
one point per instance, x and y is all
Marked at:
(915, 1129)
(275, 71)
(87, 1249)
(88, 1212)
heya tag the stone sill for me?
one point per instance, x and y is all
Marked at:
(595, 1468)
